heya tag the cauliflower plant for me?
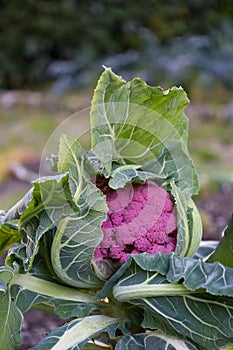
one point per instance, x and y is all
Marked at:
(108, 242)
(129, 194)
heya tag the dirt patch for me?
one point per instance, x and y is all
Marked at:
(216, 210)
(36, 326)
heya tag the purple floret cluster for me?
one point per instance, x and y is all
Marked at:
(140, 218)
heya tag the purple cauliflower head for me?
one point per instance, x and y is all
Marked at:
(140, 218)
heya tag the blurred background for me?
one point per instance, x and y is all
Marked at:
(52, 52)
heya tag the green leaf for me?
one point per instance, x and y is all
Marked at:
(205, 249)
(82, 172)
(11, 322)
(152, 341)
(9, 235)
(70, 159)
(183, 235)
(224, 251)
(204, 319)
(192, 297)
(18, 209)
(76, 333)
(129, 173)
(79, 233)
(188, 223)
(28, 292)
(133, 123)
(70, 207)
(38, 212)
(195, 228)
(155, 322)
(6, 273)
(55, 290)
(73, 248)
(185, 275)
(49, 203)
(173, 164)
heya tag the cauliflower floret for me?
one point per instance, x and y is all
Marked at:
(140, 218)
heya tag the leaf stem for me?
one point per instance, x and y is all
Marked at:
(55, 290)
(140, 291)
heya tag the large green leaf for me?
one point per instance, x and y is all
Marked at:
(152, 341)
(73, 248)
(79, 233)
(130, 173)
(82, 172)
(193, 297)
(75, 334)
(205, 319)
(205, 249)
(6, 274)
(38, 212)
(18, 209)
(224, 251)
(67, 302)
(71, 207)
(188, 223)
(133, 123)
(10, 315)
(141, 273)
(21, 292)
(11, 322)
(49, 204)
(9, 234)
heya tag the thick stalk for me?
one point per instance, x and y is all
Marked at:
(141, 291)
(51, 289)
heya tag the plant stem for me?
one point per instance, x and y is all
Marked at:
(40, 286)
(126, 293)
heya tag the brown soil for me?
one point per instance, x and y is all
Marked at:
(36, 326)
(216, 209)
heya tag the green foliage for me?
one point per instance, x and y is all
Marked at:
(34, 34)
(223, 252)
(163, 301)
(9, 235)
